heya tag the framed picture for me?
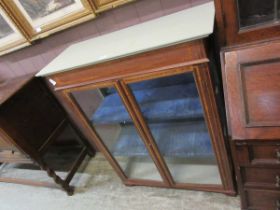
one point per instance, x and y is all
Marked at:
(10, 37)
(39, 18)
(102, 5)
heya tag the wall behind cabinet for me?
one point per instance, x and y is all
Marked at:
(35, 57)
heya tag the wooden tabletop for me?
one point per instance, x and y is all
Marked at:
(9, 87)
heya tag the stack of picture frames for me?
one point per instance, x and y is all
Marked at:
(23, 21)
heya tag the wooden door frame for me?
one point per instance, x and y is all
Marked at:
(201, 74)
(207, 95)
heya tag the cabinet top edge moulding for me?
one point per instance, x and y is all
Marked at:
(39, 19)
(162, 32)
(103, 5)
(10, 36)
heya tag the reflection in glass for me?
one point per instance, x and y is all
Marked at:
(42, 8)
(110, 119)
(5, 29)
(172, 109)
(257, 12)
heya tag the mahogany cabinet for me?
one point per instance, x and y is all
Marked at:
(31, 121)
(251, 77)
(154, 116)
(242, 21)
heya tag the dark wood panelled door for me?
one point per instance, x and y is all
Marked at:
(253, 91)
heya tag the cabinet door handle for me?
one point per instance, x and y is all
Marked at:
(277, 181)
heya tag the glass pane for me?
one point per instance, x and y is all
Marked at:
(257, 12)
(8, 32)
(5, 29)
(172, 109)
(110, 119)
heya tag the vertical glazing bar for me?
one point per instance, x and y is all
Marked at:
(150, 144)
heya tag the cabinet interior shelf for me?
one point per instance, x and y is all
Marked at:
(173, 112)
(191, 141)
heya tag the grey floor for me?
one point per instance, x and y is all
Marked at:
(98, 188)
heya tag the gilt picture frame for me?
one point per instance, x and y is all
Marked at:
(40, 18)
(104, 5)
(11, 37)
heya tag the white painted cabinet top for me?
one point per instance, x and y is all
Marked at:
(187, 25)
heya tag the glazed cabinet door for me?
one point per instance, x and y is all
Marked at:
(172, 109)
(105, 113)
(249, 20)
